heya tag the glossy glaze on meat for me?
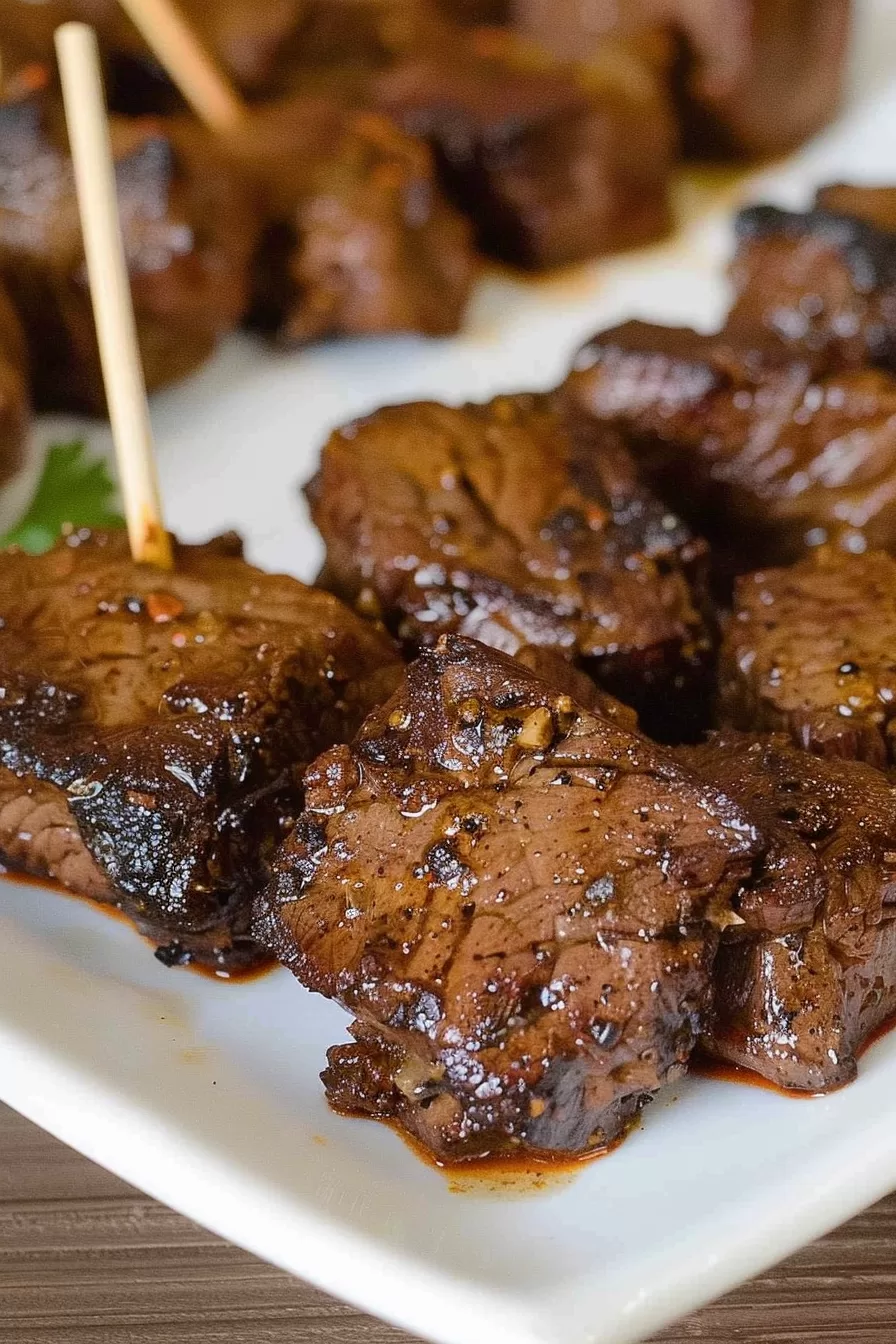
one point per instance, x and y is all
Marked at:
(823, 282)
(153, 726)
(758, 451)
(189, 235)
(518, 901)
(810, 972)
(809, 650)
(517, 523)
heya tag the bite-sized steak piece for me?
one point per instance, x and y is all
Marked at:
(189, 234)
(822, 282)
(550, 169)
(516, 898)
(810, 650)
(811, 971)
(875, 204)
(749, 76)
(518, 522)
(154, 726)
(759, 452)
(361, 238)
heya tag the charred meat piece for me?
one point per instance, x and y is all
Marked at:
(362, 240)
(551, 170)
(15, 400)
(518, 522)
(809, 650)
(189, 234)
(752, 77)
(821, 281)
(810, 972)
(154, 726)
(756, 451)
(516, 898)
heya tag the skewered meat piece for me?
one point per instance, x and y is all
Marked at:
(809, 650)
(246, 36)
(752, 77)
(15, 401)
(189, 235)
(518, 522)
(757, 452)
(517, 899)
(811, 971)
(154, 726)
(821, 281)
(362, 240)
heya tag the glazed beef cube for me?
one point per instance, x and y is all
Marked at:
(749, 76)
(822, 282)
(518, 523)
(757, 451)
(877, 205)
(518, 901)
(809, 650)
(154, 726)
(15, 401)
(189, 236)
(362, 240)
(550, 170)
(811, 970)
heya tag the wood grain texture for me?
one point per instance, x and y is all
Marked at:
(84, 1259)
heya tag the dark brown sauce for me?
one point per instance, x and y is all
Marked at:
(704, 1066)
(237, 975)
(888, 1025)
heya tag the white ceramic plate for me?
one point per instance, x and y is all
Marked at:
(207, 1096)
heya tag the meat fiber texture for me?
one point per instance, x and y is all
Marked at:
(809, 651)
(154, 726)
(518, 522)
(809, 971)
(754, 443)
(517, 899)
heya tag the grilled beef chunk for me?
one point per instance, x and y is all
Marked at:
(758, 452)
(550, 170)
(749, 76)
(809, 650)
(811, 970)
(821, 281)
(518, 523)
(153, 727)
(189, 235)
(15, 401)
(515, 897)
(361, 238)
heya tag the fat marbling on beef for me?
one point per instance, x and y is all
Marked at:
(153, 726)
(810, 972)
(758, 448)
(809, 651)
(517, 898)
(518, 522)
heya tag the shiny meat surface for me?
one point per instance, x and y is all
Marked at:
(757, 451)
(811, 970)
(749, 76)
(549, 169)
(821, 282)
(15, 398)
(518, 901)
(189, 234)
(518, 523)
(362, 239)
(809, 650)
(154, 726)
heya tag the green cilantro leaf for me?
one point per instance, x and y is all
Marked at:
(73, 489)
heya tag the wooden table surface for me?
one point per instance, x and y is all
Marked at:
(84, 1259)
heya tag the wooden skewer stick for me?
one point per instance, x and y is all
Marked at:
(110, 292)
(180, 52)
